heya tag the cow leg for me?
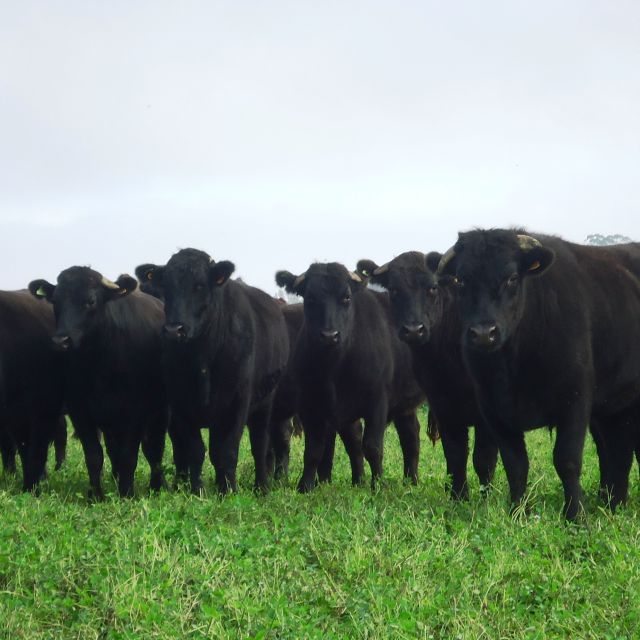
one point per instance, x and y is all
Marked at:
(485, 457)
(373, 438)
(128, 461)
(351, 436)
(223, 453)
(278, 455)
(315, 434)
(604, 460)
(567, 459)
(180, 446)
(60, 442)
(325, 467)
(94, 458)
(153, 442)
(196, 453)
(113, 453)
(8, 450)
(619, 439)
(36, 454)
(515, 460)
(408, 428)
(455, 445)
(258, 425)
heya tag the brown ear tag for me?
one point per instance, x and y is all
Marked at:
(535, 265)
(149, 275)
(220, 280)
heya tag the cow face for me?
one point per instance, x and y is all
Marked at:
(490, 270)
(327, 290)
(414, 292)
(191, 284)
(79, 299)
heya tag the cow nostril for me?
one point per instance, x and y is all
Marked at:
(421, 330)
(493, 333)
(175, 330)
(62, 342)
(331, 337)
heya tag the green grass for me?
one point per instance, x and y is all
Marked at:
(339, 563)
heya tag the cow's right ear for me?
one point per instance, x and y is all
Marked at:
(150, 273)
(368, 270)
(42, 289)
(290, 283)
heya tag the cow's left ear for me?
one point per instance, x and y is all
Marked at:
(220, 272)
(536, 261)
(42, 289)
(122, 287)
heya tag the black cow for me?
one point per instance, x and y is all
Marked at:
(110, 334)
(30, 383)
(426, 319)
(550, 337)
(350, 365)
(225, 349)
(286, 408)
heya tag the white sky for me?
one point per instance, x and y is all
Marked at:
(274, 134)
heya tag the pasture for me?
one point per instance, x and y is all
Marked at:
(340, 562)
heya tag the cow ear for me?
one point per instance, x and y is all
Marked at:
(290, 283)
(432, 260)
(535, 261)
(150, 273)
(42, 289)
(366, 269)
(220, 272)
(119, 289)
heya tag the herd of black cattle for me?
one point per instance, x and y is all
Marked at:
(505, 332)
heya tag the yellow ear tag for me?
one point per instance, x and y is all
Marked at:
(41, 293)
(122, 292)
(220, 280)
(149, 275)
(534, 266)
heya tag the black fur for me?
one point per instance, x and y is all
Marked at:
(225, 348)
(559, 343)
(350, 365)
(112, 370)
(426, 318)
(30, 384)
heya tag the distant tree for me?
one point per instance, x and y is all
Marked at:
(600, 240)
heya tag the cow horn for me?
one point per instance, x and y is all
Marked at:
(299, 280)
(527, 242)
(380, 270)
(108, 284)
(355, 276)
(445, 260)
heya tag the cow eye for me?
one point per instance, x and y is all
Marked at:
(432, 290)
(512, 280)
(459, 282)
(346, 299)
(89, 304)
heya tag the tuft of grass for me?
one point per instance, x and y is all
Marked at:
(342, 562)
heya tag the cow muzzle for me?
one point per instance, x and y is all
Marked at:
(329, 338)
(483, 336)
(413, 333)
(175, 332)
(61, 343)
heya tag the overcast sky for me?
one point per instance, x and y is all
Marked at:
(274, 134)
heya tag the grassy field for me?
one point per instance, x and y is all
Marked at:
(340, 563)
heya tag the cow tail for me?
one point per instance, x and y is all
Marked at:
(432, 426)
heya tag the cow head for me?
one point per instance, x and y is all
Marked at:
(490, 269)
(413, 292)
(79, 299)
(327, 290)
(149, 281)
(191, 284)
